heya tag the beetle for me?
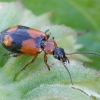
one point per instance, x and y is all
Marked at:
(29, 41)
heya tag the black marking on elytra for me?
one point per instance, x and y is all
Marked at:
(19, 35)
(15, 48)
(18, 30)
(19, 38)
(39, 41)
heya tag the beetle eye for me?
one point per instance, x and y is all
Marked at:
(56, 57)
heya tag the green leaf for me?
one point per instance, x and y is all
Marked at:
(36, 82)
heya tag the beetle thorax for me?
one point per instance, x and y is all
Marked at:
(49, 46)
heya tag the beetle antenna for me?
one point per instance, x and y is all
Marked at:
(68, 73)
(85, 32)
(88, 53)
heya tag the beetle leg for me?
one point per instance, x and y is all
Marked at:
(12, 54)
(15, 54)
(29, 62)
(52, 38)
(46, 31)
(45, 61)
(48, 35)
(8, 54)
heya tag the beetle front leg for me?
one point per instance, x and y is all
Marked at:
(45, 61)
(29, 62)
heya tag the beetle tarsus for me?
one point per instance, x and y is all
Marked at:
(48, 35)
(23, 68)
(27, 65)
(46, 31)
(45, 61)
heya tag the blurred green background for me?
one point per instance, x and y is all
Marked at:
(36, 82)
(77, 14)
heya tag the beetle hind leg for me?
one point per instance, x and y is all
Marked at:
(29, 62)
(12, 54)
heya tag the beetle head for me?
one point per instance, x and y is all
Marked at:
(60, 54)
